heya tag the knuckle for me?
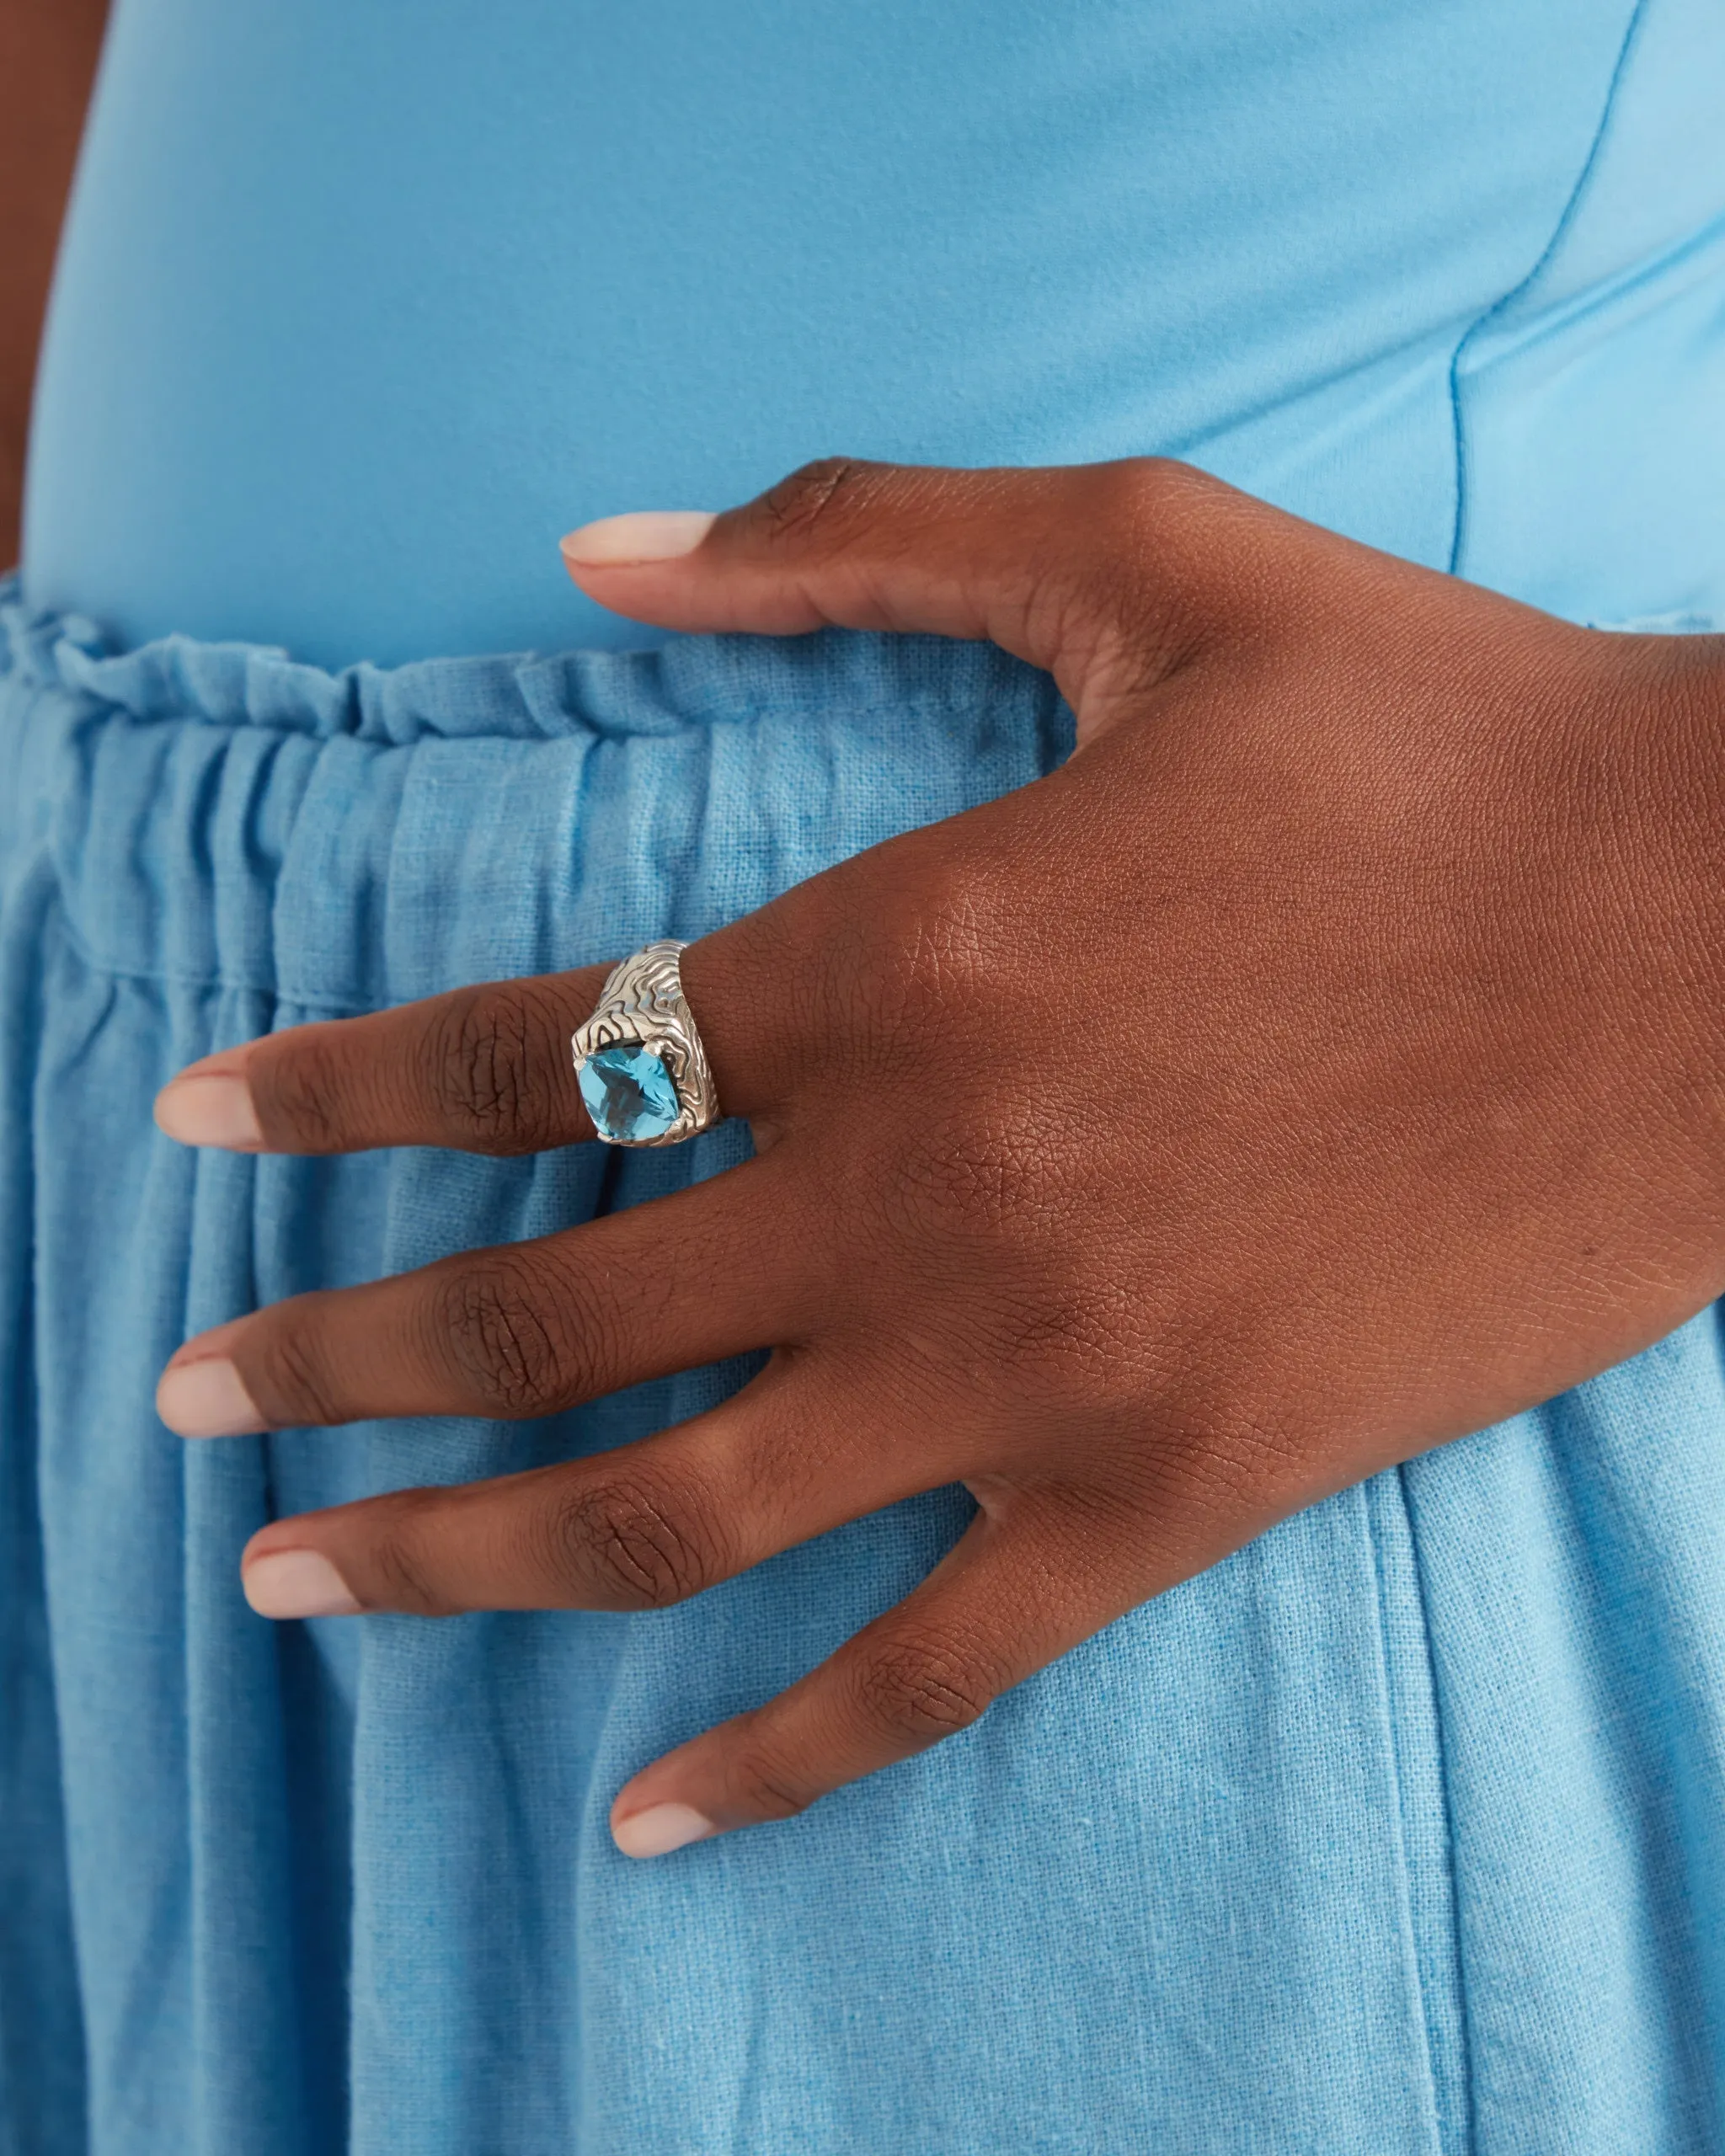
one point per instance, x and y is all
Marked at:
(1057, 1338)
(495, 1066)
(913, 1691)
(1218, 1458)
(763, 1786)
(1165, 485)
(639, 1546)
(979, 1154)
(1157, 496)
(287, 1372)
(926, 962)
(816, 499)
(993, 1171)
(507, 1327)
(947, 945)
(298, 1086)
(396, 1556)
(1159, 584)
(1233, 1455)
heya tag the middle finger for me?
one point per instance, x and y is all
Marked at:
(522, 1329)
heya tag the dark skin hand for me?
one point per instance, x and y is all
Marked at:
(1325, 1062)
(48, 52)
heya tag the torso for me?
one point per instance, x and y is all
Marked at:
(360, 306)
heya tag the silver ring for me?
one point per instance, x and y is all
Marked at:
(643, 1072)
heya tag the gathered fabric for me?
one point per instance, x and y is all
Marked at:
(1400, 1830)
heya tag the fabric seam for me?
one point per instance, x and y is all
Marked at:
(217, 984)
(1469, 2124)
(1477, 328)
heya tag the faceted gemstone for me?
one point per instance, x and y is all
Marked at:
(629, 1092)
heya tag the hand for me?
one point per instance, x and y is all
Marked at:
(1325, 1062)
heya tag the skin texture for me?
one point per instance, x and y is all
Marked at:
(1376, 922)
(48, 52)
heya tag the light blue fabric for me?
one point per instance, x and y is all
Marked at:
(354, 318)
(1401, 1831)
(1398, 1831)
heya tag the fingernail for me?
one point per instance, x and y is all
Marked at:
(296, 1583)
(214, 1111)
(661, 1828)
(651, 535)
(206, 1399)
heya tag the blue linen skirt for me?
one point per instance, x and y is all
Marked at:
(1400, 1830)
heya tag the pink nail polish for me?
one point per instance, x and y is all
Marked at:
(296, 1583)
(653, 535)
(213, 1111)
(661, 1828)
(206, 1399)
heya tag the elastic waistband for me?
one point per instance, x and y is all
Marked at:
(220, 814)
(513, 695)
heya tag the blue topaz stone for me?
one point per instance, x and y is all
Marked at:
(638, 1059)
(629, 1093)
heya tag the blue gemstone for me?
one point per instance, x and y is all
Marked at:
(629, 1092)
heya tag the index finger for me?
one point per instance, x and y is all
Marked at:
(484, 1069)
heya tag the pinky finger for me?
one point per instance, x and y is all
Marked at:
(999, 1606)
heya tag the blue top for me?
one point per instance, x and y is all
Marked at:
(354, 319)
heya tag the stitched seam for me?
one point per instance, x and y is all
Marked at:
(215, 983)
(31, 1354)
(1470, 2119)
(1374, 1496)
(1477, 328)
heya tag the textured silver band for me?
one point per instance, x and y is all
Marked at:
(642, 1003)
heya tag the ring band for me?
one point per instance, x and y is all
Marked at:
(643, 1072)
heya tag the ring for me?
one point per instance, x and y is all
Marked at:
(643, 1072)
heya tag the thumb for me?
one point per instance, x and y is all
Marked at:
(1064, 566)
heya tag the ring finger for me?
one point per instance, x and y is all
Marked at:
(635, 1529)
(486, 1069)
